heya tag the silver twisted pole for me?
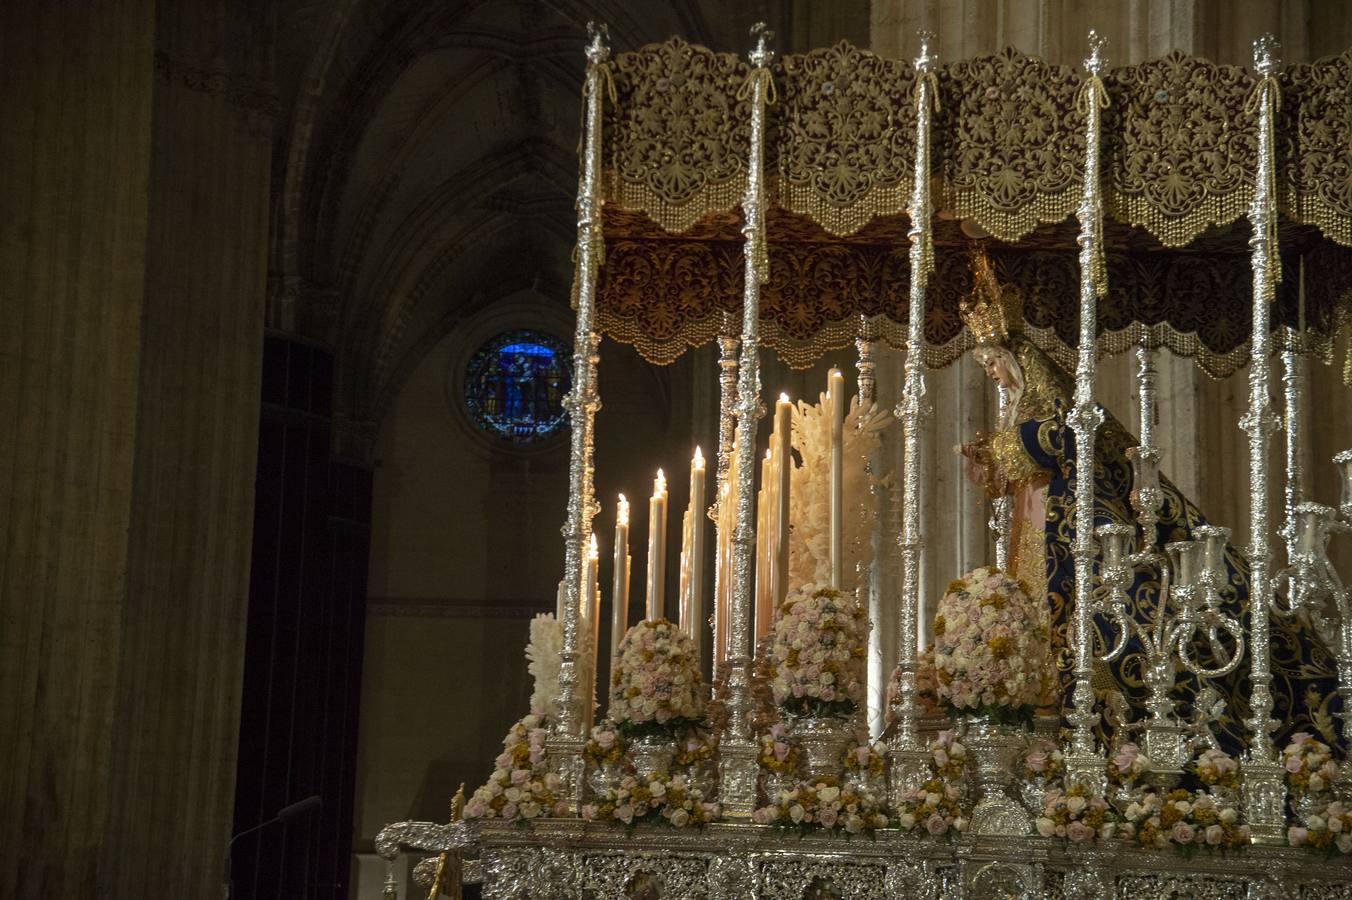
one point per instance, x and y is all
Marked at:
(727, 423)
(568, 736)
(1264, 786)
(737, 772)
(906, 749)
(1084, 760)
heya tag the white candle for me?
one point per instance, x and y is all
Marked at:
(560, 600)
(619, 598)
(836, 398)
(765, 555)
(724, 563)
(694, 603)
(657, 562)
(590, 615)
(783, 468)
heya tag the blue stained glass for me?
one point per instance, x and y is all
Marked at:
(515, 385)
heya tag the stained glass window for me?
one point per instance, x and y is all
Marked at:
(515, 384)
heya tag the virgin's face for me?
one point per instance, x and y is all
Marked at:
(998, 369)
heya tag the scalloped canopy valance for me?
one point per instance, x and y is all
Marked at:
(1178, 172)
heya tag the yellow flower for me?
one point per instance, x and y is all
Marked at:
(939, 625)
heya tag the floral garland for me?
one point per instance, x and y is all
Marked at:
(1077, 814)
(1043, 761)
(936, 804)
(778, 753)
(1328, 830)
(933, 805)
(1188, 820)
(1309, 764)
(991, 648)
(520, 788)
(1216, 768)
(667, 799)
(823, 803)
(817, 652)
(1127, 765)
(866, 760)
(655, 688)
(606, 746)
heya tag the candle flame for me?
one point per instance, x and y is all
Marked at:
(660, 483)
(699, 458)
(623, 513)
(783, 397)
(592, 551)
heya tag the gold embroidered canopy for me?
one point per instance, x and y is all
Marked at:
(1179, 163)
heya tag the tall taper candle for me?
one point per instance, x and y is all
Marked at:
(722, 601)
(619, 599)
(836, 396)
(765, 556)
(694, 606)
(657, 549)
(590, 613)
(783, 469)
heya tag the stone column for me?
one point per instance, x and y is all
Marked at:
(135, 174)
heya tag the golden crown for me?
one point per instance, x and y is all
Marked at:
(991, 311)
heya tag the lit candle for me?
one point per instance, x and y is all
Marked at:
(836, 398)
(783, 468)
(619, 599)
(657, 562)
(590, 602)
(693, 607)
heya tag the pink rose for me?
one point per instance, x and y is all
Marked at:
(1079, 832)
(1183, 833)
(1214, 834)
(861, 755)
(1036, 761)
(827, 817)
(520, 776)
(509, 810)
(781, 750)
(1296, 835)
(1293, 764)
(936, 825)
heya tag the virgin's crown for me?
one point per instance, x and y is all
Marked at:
(991, 311)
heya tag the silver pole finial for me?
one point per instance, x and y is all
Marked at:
(1267, 54)
(761, 52)
(598, 43)
(1096, 62)
(925, 61)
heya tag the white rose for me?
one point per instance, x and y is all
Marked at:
(1229, 815)
(1045, 826)
(1074, 804)
(906, 821)
(512, 794)
(1316, 823)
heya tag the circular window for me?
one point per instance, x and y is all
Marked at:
(515, 385)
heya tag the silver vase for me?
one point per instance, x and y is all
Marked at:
(823, 740)
(993, 751)
(605, 777)
(651, 754)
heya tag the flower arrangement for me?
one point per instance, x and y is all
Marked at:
(866, 760)
(1328, 830)
(778, 753)
(520, 788)
(1189, 821)
(655, 688)
(823, 803)
(606, 745)
(1076, 814)
(1309, 764)
(1127, 764)
(991, 647)
(1217, 769)
(933, 806)
(817, 652)
(948, 757)
(697, 748)
(1044, 761)
(668, 799)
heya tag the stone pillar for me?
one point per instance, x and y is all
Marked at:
(135, 161)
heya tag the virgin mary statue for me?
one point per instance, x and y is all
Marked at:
(1030, 458)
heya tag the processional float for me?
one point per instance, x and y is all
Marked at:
(826, 152)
